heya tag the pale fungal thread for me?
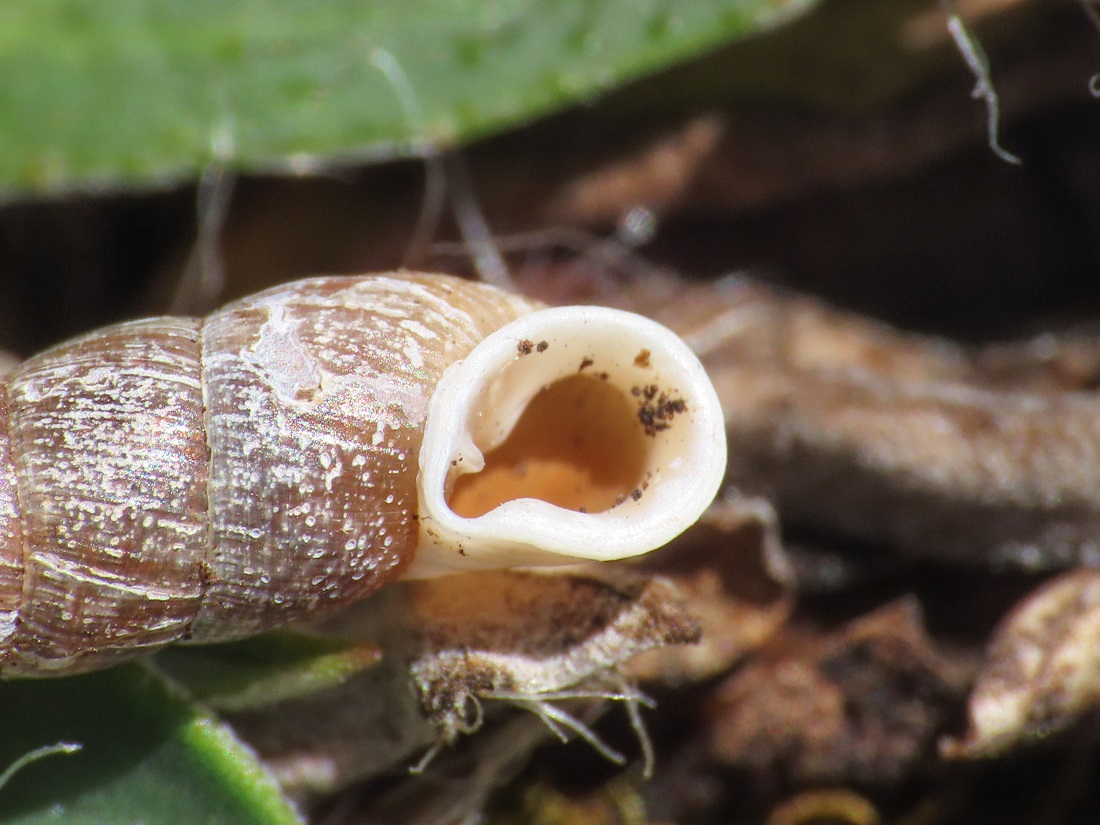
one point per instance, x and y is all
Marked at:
(59, 748)
(978, 63)
(179, 479)
(435, 175)
(558, 720)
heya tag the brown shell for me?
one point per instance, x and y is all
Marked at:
(172, 479)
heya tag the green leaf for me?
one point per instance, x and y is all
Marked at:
(146, 756)
(264, 670)
(140, 92)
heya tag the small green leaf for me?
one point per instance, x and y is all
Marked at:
(146, 756)
(140, 92)
(264, 670)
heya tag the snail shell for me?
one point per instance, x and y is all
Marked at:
(179, 479)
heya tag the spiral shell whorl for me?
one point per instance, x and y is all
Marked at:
(109, 458)
(157, 480)
(11, 538)
(316, 395)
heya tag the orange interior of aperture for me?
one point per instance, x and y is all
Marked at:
(578, 445)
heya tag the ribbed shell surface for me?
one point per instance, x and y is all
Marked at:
(171, 479)
(110, 465)
(316, 395)
(11, 538)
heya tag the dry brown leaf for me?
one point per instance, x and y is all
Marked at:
(736, 581)
(864, 704)
(657, 175)
(516, 637)
(864, 432)
(1042, 671)
(456, 650)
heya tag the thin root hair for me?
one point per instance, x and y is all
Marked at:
(556, 718)
(435, 174)
(976, 60)
(34, 756)
(475, 230)
(203, 281)
(607, 253)
(429, 756)
(715, 332)
(560, 721)
(443, 172)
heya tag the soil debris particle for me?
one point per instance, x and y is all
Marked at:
(642, 359)
(656, 409)
(525, 347)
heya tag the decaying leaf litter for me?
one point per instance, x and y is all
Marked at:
(849, 668)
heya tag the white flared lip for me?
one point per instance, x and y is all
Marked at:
(530, 531)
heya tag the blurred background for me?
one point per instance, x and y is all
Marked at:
(839, 152)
